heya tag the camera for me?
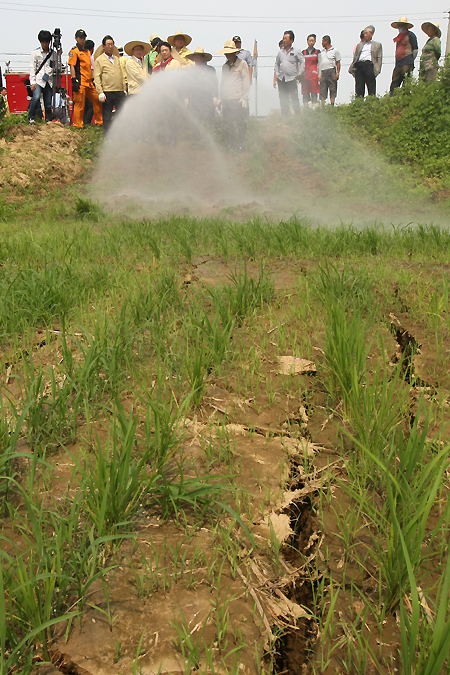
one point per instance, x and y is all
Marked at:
(60, 97)
(56, 39)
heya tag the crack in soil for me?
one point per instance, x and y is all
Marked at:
(409, 348)
(65, 665)
(292, 653)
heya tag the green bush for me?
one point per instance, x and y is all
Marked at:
(412, 127)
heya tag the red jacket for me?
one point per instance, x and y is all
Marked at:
(311, 65)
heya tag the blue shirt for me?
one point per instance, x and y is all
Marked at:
(245, 55)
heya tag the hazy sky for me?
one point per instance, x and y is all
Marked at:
(210, 24)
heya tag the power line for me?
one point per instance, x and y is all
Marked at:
(217, 16)
(114, 14)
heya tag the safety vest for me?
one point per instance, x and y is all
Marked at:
(311, 64)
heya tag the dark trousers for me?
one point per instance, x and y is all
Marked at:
(398, 75)
(234, 118)
(114, 99)
(88, 114)
(288, 93)
(365, 76)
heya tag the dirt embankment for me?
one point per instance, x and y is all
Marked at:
(38, 157)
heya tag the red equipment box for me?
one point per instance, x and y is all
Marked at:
(17, 92)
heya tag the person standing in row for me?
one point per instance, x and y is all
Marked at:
(88, 115)
(123, 64)
(289, 68)
(204, 92)
(366, 64)
(108, 80)
(168, 59)
(82, 84)
(180, 41)
(310, 79)
(150, 58)
(137, 72)
(245, 55)
(406, 49)
(431, 52)
(234, 92)
(329, 70)
(41, 77)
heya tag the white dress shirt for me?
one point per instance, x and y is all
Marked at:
(366, 52)
(37, 57)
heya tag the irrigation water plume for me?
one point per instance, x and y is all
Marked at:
(160, 156)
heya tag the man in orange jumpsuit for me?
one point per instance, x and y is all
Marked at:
(82, 82)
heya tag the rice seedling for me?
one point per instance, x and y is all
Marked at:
(9, 436)
(163, 429)
(412, 477)
(198, 365)
(16, 641)
(189, 644)
(108, 612)
(217, 335)
(425, 644)
(346, 351)
(350, 286)
(376, 410)
(139, 653)
(113, 485)
(86, 209)
(145, 234)
(246, 294)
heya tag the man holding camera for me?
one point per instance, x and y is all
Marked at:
(82, 83)
(41, 71)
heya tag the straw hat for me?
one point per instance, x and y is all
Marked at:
(100, 50)
(404, 21)
(187, 38)
(199, 50)
(229, 48)
(128, 48)
(153, 36)
(427, 24)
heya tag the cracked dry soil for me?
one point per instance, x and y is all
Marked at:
(284, 453)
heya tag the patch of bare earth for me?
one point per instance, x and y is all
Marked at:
(38, 156)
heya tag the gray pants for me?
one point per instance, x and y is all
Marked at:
(288, 93)
(328, 83)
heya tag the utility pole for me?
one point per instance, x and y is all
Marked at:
(255, 75)
(447, 46)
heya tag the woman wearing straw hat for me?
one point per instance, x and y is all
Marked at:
(136, 71)
(406, 49)
(431, 52)
(180, 41)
